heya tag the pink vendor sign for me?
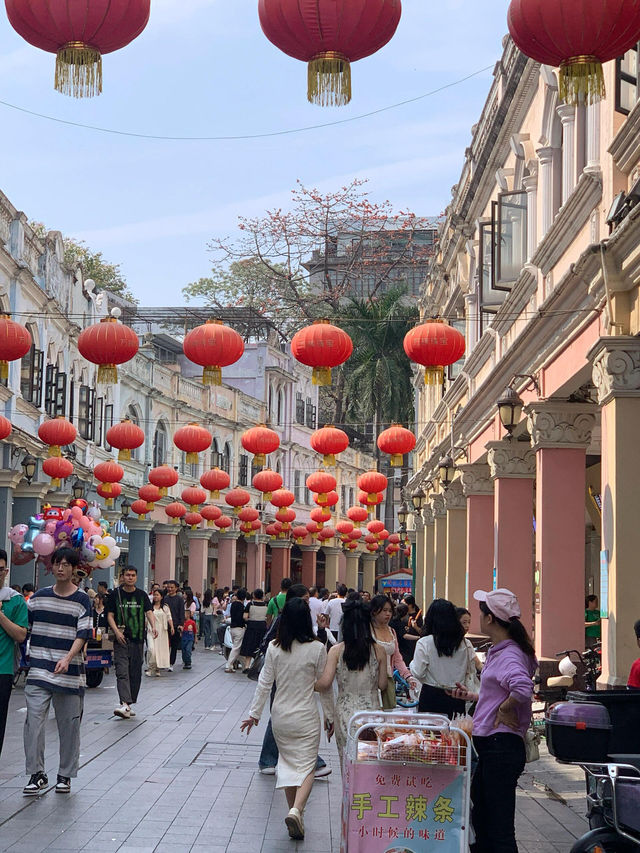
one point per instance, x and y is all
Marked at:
(403, 808)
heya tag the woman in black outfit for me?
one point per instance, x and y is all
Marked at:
(255, 617)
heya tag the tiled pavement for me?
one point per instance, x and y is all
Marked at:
(180, 777)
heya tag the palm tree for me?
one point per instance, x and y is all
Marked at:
(377, 377)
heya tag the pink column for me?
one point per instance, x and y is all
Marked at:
(513, 467)
(280, 564)
(252, 565)
(342, 568)
(560, 433)
(198, 559)
(309, 554)
(478, 489)
(165, 551)
(227, 543)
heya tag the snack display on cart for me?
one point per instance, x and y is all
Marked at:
(406, 783)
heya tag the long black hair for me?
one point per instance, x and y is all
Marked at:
(378, 602)
(514, 627)
(442, 622)
(208, 598)
(356, 633)
(294, 624)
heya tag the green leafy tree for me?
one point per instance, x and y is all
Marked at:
(106, 275)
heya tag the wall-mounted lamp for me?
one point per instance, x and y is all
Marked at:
(77, 490)
(446, 470)
(510, 407)
(125, 509)
(29, 463)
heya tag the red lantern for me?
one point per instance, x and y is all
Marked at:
(330, 499)
(320, 515)
(375, 527)
(15, 342)
(391, 550)
(282, 497)
(370, 501)
(164, 477)
(125, 437)
(299, 534)
(5, 428)
(213, 346)
(150, 494)
(267, 482)
(372, 548)
(223, 523)
(344, 527)
(329, 35)
(215, 480)
(383, 535)
(58, 468)
(107, 344)
(260, 441)
(370, 538)
(140, 508)
(407, 552)
(394, 538)
(285, 516)
(192, 439)
(210, 513)
(237, 498)
(109, 491)
(357, 514)
(355, 534)
(272, 530)
(193, 519)
(351, 546)
(176, 511)
(326, 533)
(321, 346)
(193, 496)
(329, 441)
(321, 482)
(434, 345)
(313, 529)
(79, 33)
(396, 441)
(108, 473)
(577, 36)
(57, 433)
(372, 482)
(248, 514)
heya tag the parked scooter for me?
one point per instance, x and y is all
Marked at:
(613, 800)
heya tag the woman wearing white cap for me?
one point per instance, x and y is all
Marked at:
(500, 722)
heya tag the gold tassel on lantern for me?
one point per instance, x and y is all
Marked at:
(107, 374)
(329, 460)
(259, 460)
(124, 455)
(321, 376)
(581, 80)
(192, 458)
(78, 70)
(396, 460)
(329, 79)
(212, 375)
(433, 375)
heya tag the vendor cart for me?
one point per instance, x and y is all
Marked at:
(407, 780)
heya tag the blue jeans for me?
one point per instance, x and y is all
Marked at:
(207, 629)
(269, 754)
(187, 648)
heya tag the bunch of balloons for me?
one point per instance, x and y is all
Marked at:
(79, 526)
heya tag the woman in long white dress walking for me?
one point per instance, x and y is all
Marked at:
(158, 647)
(295, 660)
(359, 666)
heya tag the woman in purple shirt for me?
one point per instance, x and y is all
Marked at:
(501, 719)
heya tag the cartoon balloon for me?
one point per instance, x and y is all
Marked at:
(87, 553)
(44, 544)
(76, 513)
(63, 533)
(109, 541)
(102, 553)
(94, 512)
(77, 538)
(17, 533)
(36, 526)
(115, 553)
(50, 527)
(20, 557)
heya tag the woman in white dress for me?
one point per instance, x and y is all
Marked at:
(295, 660)
(158, 648)
(359, 666)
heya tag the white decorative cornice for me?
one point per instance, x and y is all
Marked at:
(625, 148)
(476, 479)
(570, 218)
(513, 460)
(454, 498)
(438, 508)
(560, 424)
(427, 515)
(616, 367)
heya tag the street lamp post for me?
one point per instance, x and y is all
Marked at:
(29, 465)
(446, 471)
(125, 509)
(510, 407)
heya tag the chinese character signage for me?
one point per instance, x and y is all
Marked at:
(396, 582)
(396, 808)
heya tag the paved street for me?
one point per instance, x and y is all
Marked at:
(181, 777)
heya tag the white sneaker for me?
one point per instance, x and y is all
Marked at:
(170, 669)
(295, 824)
(132, 713)
(123, 712)
(268, 771)
(321, 772)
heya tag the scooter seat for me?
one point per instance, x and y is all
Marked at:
(560, 681)
(625, 758)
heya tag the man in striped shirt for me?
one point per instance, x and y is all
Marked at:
(61, 624)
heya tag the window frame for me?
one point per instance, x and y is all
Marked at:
(34, 361)
(86, 412)
(624, 77)
(243, 469)
(497, 208)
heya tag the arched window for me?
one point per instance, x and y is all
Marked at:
(226, 458)
(216, 461)
(280, 412)
(160, 445)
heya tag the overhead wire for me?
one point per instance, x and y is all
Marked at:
(244, 136)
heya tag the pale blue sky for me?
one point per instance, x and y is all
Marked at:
(204, 68)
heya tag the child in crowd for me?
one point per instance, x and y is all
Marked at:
(189, 639)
